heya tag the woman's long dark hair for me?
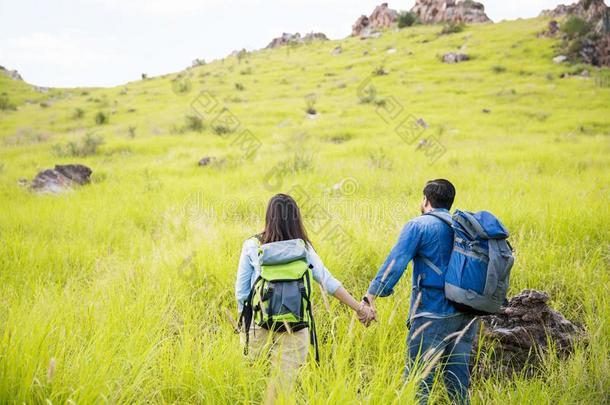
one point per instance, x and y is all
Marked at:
(283, 221)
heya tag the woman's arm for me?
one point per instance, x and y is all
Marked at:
(331, 285)
(244, 274)
(345, 297)
(320, 273)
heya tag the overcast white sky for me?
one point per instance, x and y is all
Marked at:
(66, 43)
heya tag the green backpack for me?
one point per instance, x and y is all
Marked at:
(280, 299)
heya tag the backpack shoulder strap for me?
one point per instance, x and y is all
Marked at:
(246, 316)
(446, 218)
(313, 333)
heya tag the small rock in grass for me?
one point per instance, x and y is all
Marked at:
(453, 57)
(337, 51)
(560, 59)
(392, 50)
(486, 110)
(206, 160)
(422, 123)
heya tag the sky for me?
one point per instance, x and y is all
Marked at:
(68, 43)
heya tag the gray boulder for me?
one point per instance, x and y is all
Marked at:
(61, 178)
(453, 57)
(521, 333)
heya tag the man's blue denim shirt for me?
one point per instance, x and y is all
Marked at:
(424, 236)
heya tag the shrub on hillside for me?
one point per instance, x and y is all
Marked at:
(407, 19)
(452, 28)
(310, 101)
(581, 42)
(5, 103)
(576, 27)
(239, 87)
(221, 129)
(85, 147)
(380, 71)
(241, 55)
(371, 97)
(193, 123)
(78, 113)
(380, 160)
(181, 85)
(101, 118)
(498, 69)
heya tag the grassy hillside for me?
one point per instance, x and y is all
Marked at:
(119, 291)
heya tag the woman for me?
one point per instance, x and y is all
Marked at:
(284, 240)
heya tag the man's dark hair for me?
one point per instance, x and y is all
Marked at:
(440, 193)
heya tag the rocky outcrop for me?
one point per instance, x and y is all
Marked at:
(592, 46)
(13, 74)
(522, 332)
(440, 11)
(293, 39)
(602, 50)
(590, 10)
(382, 17)
(61, 178)
(594, 11)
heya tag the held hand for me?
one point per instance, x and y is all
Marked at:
(368, 301)
(366, 314)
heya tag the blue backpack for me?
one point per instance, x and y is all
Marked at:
(477, 277)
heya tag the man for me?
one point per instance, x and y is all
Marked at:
(438, 331)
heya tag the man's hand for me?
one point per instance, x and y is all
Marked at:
(367, 312)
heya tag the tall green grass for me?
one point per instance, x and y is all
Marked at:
(119, 291)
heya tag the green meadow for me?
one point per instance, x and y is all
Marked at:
(121, 291)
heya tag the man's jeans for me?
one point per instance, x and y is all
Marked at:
(428, 337)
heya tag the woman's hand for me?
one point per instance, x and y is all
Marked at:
(366, 314)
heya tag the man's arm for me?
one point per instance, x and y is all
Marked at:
(395, 264)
